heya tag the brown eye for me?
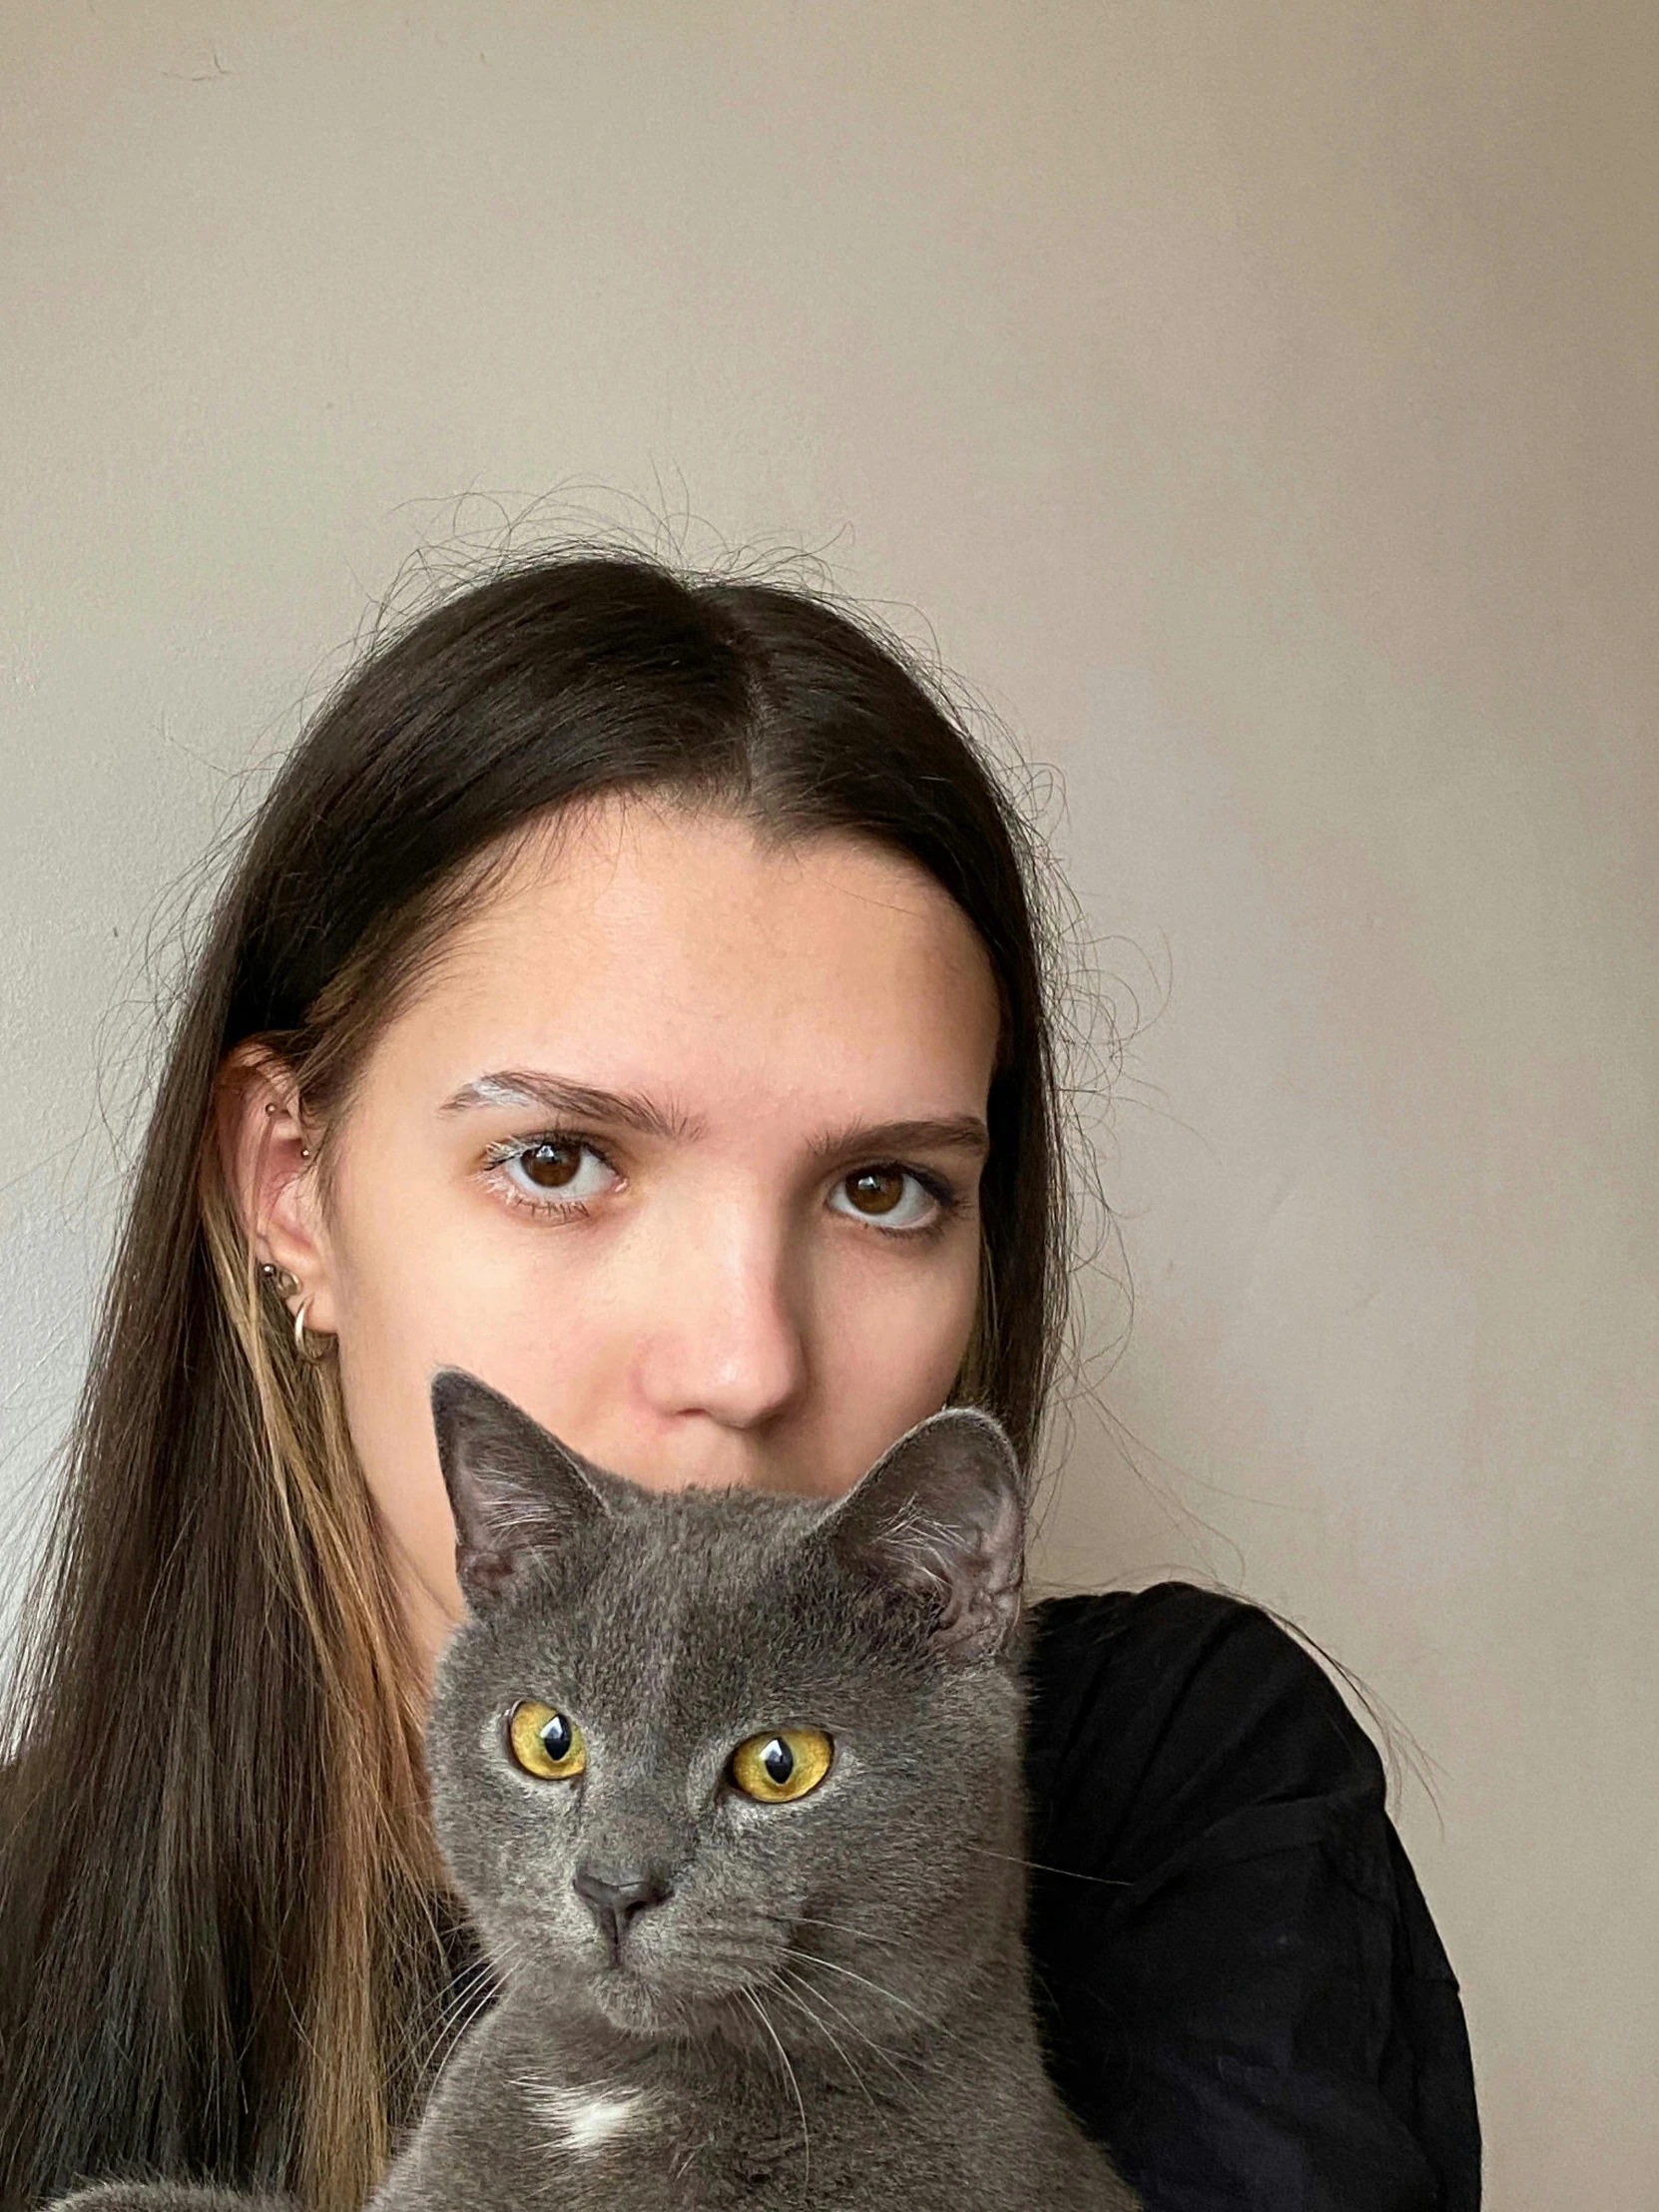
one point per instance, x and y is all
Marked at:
(776, 1769)
(876, 1189)
(546, 1742)
(551, 1165)
(558, 1174)
(892, 1197)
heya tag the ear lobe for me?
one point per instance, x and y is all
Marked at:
(943, 1514)
(514, 1489)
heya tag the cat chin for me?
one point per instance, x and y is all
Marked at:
(630, 2005)
(626, 2002)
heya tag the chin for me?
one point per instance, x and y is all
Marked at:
(626, 2001)
(637, 2007)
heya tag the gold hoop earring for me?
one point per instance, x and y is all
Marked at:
(319, 1347)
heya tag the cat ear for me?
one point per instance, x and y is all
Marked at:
(514, 1488)
(943, 1514)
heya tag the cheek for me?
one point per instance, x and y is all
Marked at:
(427, 1274)
(893, 1340)
(387, 1412)
(420, 1282)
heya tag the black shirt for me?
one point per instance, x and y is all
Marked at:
(1243, 1993)
(1246, 1996)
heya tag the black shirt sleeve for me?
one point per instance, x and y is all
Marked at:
(1244, 1995)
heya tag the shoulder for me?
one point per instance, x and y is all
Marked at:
(1243, 1992)
(1155, 1714)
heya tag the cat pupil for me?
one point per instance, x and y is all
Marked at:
(779, 1761)
(555, 1737)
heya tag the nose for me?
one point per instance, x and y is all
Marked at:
(615, 1898)
(723, 1337)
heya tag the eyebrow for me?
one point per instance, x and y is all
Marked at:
(579, 1101)
(556, 1094)
(950, 1133)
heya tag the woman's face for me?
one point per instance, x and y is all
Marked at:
(678, 1147)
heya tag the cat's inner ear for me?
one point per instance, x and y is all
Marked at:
(942, 1514)
(514, 1489)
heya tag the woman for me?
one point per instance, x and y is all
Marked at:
(629, 991)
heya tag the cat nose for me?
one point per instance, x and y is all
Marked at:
(615, 1899)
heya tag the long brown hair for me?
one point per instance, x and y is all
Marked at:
(222, 1911)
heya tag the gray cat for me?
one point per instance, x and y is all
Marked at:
(731, 1786)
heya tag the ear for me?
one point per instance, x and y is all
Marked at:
(514, 1489)
(266, 1162)
(943, 1514)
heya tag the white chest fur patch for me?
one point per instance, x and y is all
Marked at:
(585, 2120)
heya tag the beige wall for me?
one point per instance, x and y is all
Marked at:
(1260, 400)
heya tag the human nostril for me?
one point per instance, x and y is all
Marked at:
(615, 1899)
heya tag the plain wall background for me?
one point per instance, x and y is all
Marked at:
(1258, 399)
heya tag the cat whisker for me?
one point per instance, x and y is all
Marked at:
(729, 1976)
(441, 1997)
(832, 1966)
(1037, 1866)
(791, 1993)
(472, 2009)
(441, 2008)
(835, 1927)
(851, 2025)
(475, 1999)
(799, 2101)
(437, 2028)
(748, 1960)
(799, 1983)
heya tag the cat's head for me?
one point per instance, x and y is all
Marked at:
(693, 1750)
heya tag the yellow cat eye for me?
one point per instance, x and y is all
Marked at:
(546, 1742)
(777, 1768)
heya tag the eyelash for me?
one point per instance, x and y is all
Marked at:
(497, 1155)
(944, 1196)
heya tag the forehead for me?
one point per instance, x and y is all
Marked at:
(695, 1614)
(634, 940)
